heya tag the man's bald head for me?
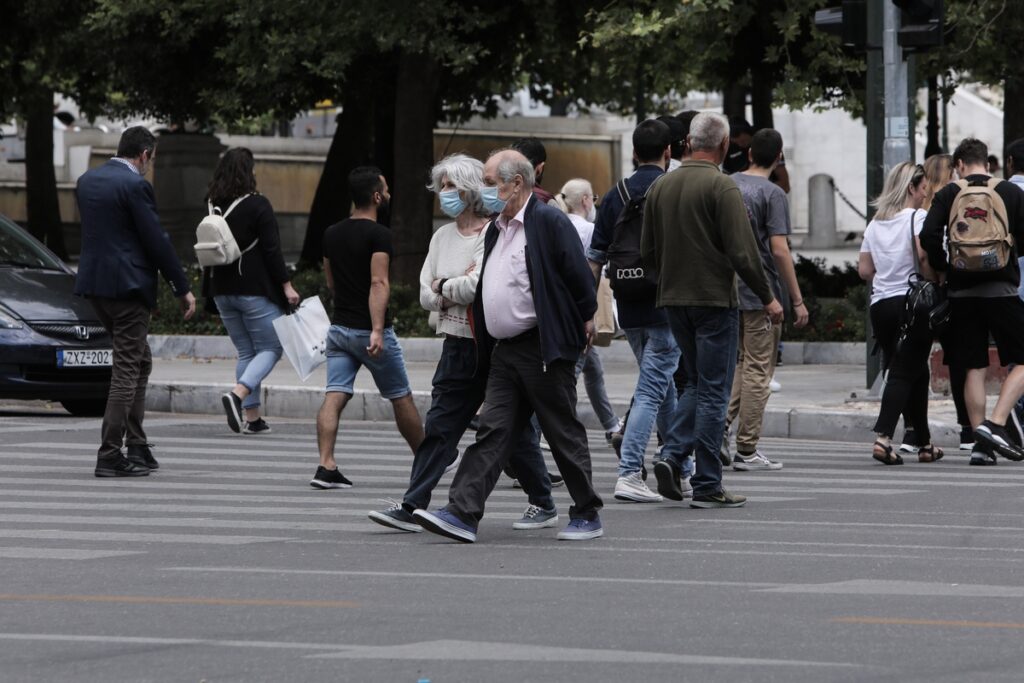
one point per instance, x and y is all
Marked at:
(505, 164)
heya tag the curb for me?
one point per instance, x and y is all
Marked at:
(304, 402)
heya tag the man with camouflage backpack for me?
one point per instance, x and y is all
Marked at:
(972, 235)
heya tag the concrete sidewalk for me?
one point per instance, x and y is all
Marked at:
(824, 402)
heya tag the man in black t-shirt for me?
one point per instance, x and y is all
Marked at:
(982, 302)
(357, 256)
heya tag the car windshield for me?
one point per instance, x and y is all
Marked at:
(18, 249)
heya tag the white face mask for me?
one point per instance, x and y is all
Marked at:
(592, 214)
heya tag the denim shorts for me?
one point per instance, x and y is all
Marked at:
(346, 353)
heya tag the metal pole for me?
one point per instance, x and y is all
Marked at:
(874, 117)
(896, 147)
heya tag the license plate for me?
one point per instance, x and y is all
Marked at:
(84, 358)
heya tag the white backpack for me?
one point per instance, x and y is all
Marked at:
(215, 243)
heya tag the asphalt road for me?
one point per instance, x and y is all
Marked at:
(226, 566)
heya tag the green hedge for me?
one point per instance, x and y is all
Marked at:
(409, 319)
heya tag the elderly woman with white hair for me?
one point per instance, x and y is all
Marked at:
(448, 283)
(576, 199)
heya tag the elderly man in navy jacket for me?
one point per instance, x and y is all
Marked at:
(532, 317)
(123, 247)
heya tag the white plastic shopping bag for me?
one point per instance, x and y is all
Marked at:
(303, 336)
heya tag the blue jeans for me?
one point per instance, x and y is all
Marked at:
(346, 353)
(250, 324)
(458, 392)
(593, 381)
(708, 337)
(654, 399)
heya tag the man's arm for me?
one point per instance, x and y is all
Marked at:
(934, 230)
(328, 275)
(604, 225)
(380, 292)
(157, 245)
(784, 262)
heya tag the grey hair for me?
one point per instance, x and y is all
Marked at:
(466, 173)
(707, 130)
(516, 164)
(572, 194)
(897, 185)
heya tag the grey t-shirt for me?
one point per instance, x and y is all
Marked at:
(768, 210)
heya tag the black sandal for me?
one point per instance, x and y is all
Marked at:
(929, 453)
(883, 453)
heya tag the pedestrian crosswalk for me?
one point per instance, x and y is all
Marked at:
(216, 488)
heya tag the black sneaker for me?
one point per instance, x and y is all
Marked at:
(778, 359)
(233, 410)
(142, 456)
(999, 439)
(982, 455)
(669, 484)
(966, 438)
(257, 426)
(329, 479)
(556, 480)
(396, 517)
(119, 466)
(722, 499)
(910, 442)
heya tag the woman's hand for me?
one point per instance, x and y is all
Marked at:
(290, 294)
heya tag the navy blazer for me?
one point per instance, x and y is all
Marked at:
(123, 245)
(561, 282)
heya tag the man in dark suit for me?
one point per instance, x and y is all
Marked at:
(123, 247)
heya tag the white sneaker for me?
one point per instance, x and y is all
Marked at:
(774, 386)
(633, 488)
(455, 463)
(687, 488)
(757, 461)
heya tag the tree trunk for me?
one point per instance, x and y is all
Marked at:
(734, 100)
(417, 83)
(1013, 111)
(761, 96)
(41, 183)
(350, 147)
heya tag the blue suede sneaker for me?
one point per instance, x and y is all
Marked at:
(581, 530)
(445, 523)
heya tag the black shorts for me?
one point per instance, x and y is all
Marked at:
(972, 319)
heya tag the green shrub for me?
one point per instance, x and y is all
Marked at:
(836, 299)
(408, 318)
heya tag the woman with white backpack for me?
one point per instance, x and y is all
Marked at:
(250, 290)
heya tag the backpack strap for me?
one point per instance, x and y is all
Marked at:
(623, 191)
(234, 204)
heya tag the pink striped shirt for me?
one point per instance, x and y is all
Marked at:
(508, 297)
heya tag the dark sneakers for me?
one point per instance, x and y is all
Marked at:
(396, 517)
(119, 466)
(329, 479)
(998, 439)
(445, 523)
(233, 410)
(966, 438)
(669, 484)
(141, 455)
(982, 455)
(722, 499)
(257, 426)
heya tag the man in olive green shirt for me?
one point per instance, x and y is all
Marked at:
(697, 237)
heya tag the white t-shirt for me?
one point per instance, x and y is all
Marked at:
(891, 250)
(584, 227)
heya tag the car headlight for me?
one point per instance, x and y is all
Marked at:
(9, 321)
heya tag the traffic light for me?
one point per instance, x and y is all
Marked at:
(849, 22)
(921, 24)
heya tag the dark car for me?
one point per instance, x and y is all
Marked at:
(52, 346)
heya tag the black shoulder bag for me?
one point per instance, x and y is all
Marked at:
(926, 313)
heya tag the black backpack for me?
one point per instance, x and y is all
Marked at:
(629, 279)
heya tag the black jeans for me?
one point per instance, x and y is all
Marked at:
(906, 386)
(127, 322)
(455, 398)
(518, 386)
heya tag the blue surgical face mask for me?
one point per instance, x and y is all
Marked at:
(493, 203)
(451, 203)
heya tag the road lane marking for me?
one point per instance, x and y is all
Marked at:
(17, 553)
(77, 535)
(954, 623)
(157, 600)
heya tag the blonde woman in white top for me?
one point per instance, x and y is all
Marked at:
(448, 283)
(890, 253)
(576, 199)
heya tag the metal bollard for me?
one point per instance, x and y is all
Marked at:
(821, 199)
